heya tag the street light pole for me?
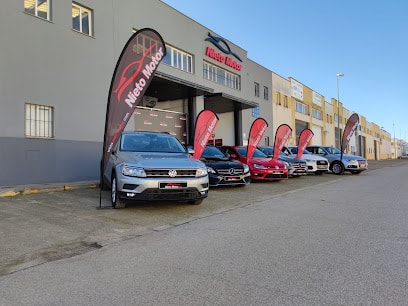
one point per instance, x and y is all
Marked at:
(338, 107)
(395, 147)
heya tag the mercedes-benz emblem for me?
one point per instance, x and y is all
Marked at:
(172, 173)
(231, 171)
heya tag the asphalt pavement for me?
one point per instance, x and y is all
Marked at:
(47, 222)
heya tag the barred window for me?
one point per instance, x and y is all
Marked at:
(39, 121)
(221, 76)
(336, 118)
(266, 93)
(39, 8)
(316, 114)
(301, 108)
(256, 89)
(82, 19)
(178, 59)
(285, 101)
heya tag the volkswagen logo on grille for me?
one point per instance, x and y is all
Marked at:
(172, 173)
(231, 171)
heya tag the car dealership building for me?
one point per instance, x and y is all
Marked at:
(57, 62)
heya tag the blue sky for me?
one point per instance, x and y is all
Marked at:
(313, 40)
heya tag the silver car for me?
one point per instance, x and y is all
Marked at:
(352, 163)
(153, 166)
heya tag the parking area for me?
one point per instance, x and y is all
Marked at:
(53, 223)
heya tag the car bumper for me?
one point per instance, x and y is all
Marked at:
(269, 174)
(356, 166)
(313, 167)
(228, 180)
(180, 189)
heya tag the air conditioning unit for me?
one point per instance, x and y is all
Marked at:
(149, 101)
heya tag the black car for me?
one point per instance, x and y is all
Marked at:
(296, 167)
(222, 171)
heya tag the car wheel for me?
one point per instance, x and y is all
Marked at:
(116, 201)
(196, 202)
(337, 168)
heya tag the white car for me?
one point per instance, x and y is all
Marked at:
(315, 164)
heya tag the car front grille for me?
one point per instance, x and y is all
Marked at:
(276, 176)
(165, 172)
(170, 195)
(299, 165)
(230, 171)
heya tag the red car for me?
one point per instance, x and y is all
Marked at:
(261, 166)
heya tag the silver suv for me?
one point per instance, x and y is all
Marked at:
(154, 166)
(353, 163)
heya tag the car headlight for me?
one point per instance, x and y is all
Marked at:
(210, 170)
(133, 171)
(351, 160)
(246, 169)
(259, 166)
(201, 172)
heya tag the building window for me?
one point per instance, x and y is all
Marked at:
(316, 114)
(39, 8)
(178, 59)
(39, 121)
(266, 93)
(336, 118)
(81, 19)
(256, 89)
(301, 108)
(221, 76)
(278, 98)
(285, 101)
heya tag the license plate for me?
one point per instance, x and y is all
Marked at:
(232, 178)
(321, 167)
(172, 185)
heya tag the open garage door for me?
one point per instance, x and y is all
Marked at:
(148, 119)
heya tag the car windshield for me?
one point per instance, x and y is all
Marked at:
(164, 143)
(294, 150)
(257, 153)
(266, 150)
(212, 152)
(333, 150)
(269, 152)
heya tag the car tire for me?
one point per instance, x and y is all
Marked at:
(337, 168)
(115, 199)
(196, 202)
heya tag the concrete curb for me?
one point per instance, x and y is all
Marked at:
(42, 188)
